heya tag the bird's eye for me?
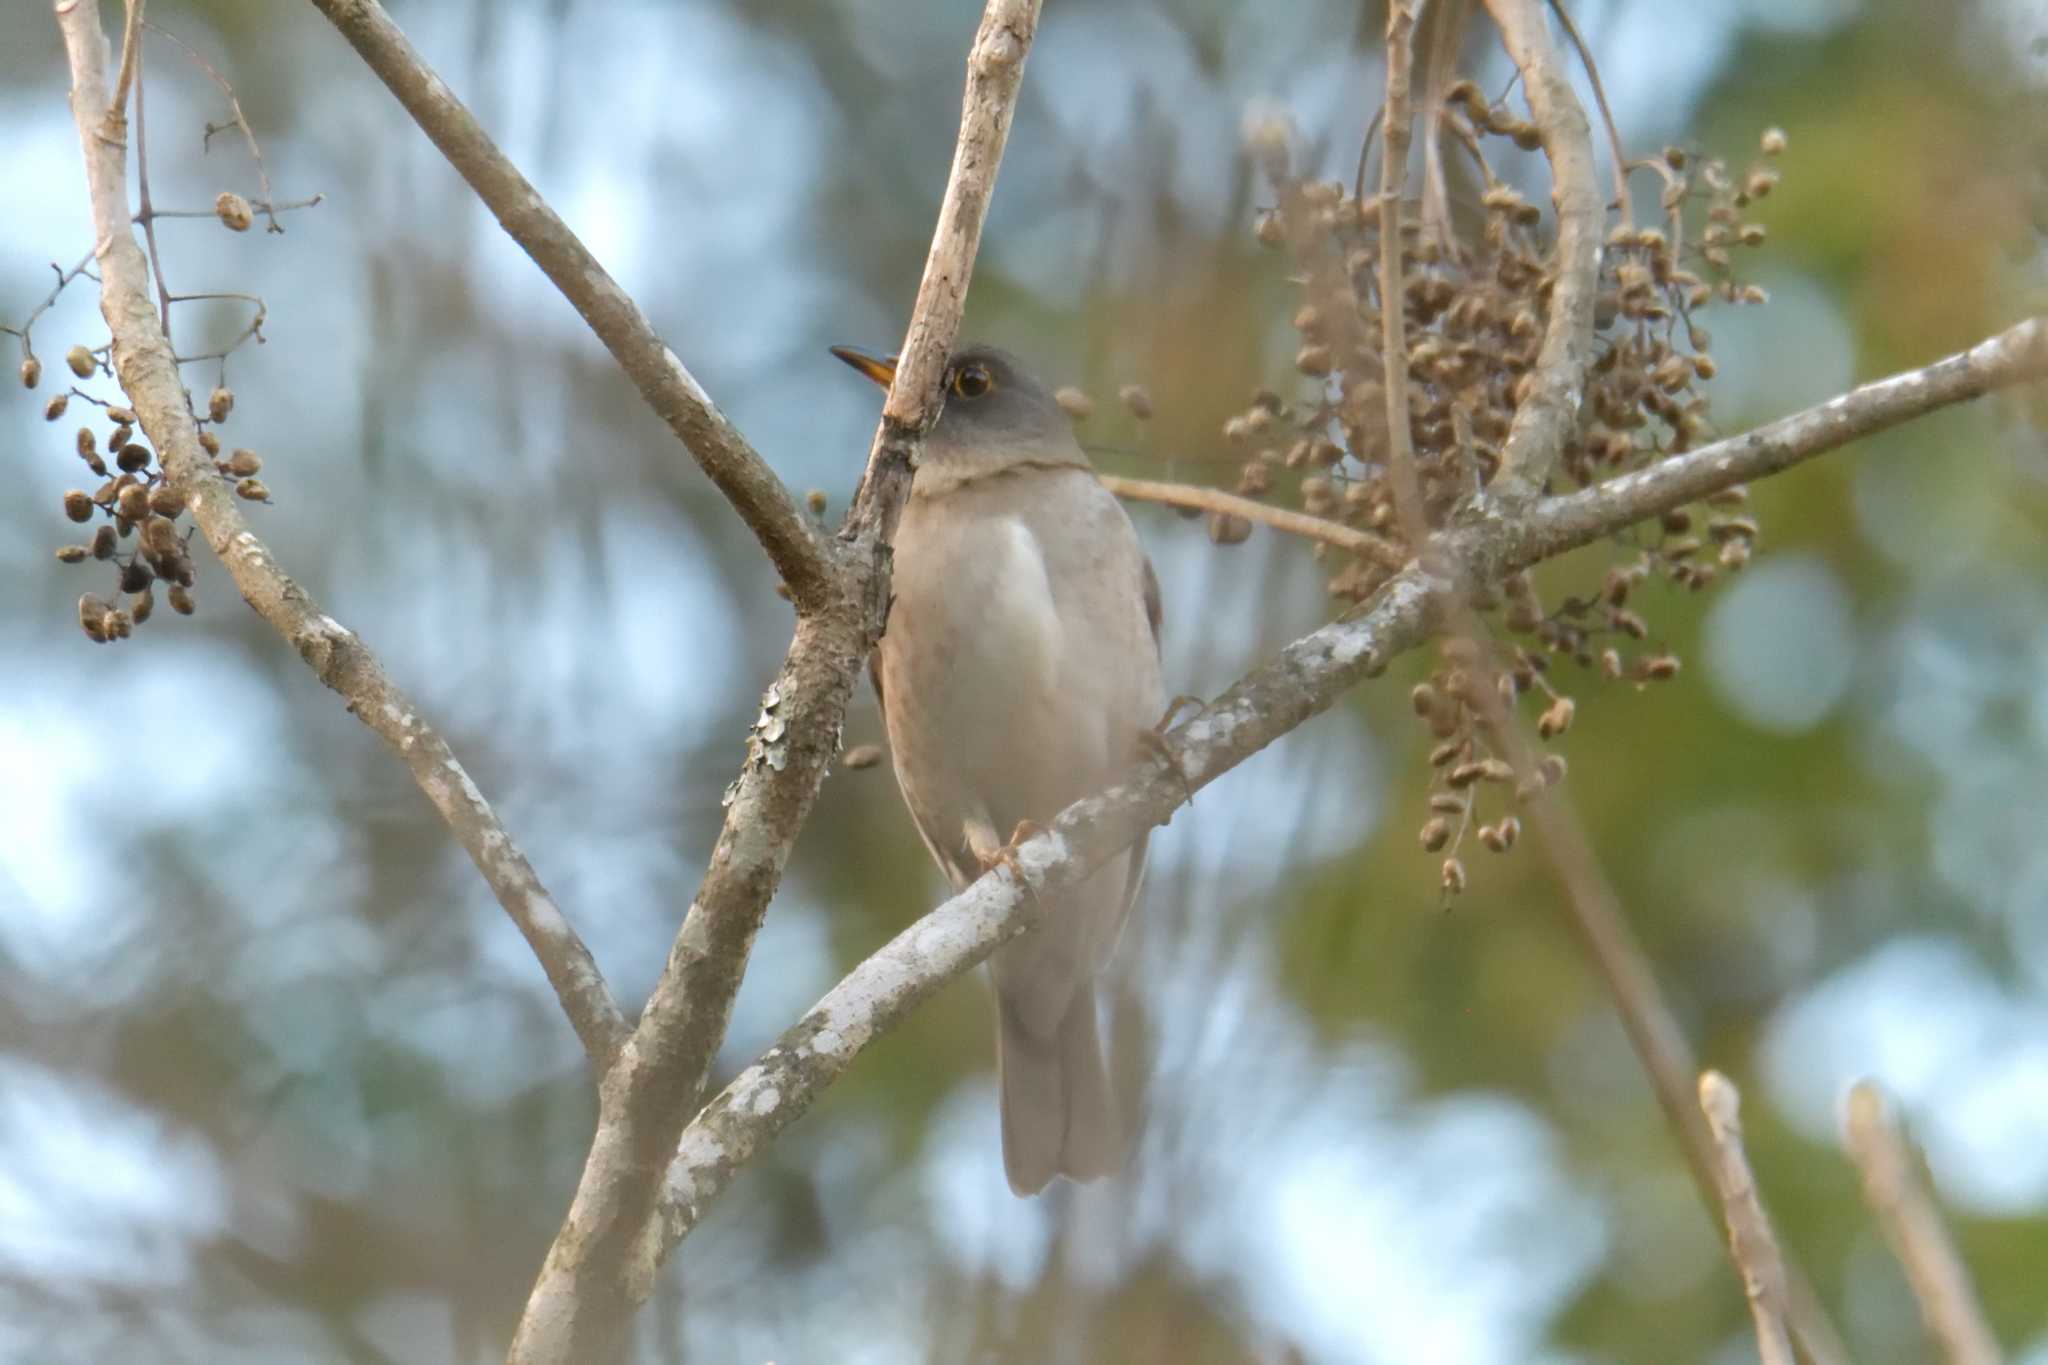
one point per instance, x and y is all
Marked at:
(972, 381)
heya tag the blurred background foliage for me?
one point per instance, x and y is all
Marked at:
(278, 1081)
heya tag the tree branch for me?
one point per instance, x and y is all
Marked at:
(1751, 1244)
(676, 397)
(1365, 544)
(603, 1260)
(148, 373)
(1905, 1210)
(1548, 414)
(1303, 680)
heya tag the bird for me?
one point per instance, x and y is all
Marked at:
(1019, 671)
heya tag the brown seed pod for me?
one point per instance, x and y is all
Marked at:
(133, 502)
(861, 756)
(135, 576)
(77, 505)
(1444, 753)
(166, 501)
(104, 542)
(233, 211)
(244, 464)
(1136, 401)
(54, 409)
(181, 599)
(1075, 403)
(815, 500)
(1465, 774)
(252, 490)
(220, 403)
(1552, 769)
(73, 554)
(1255, 479)
(159, 534)
(1610, 663)
(1491, 836)
(209, 443)
(1269, 228)
(1445, 804)
(118, 435)
(1424, 698)
(1313, 360)
(1557, 718)
(1453, 876)
(31, 372)
(81, 362)
(1435, 833)
(1227, 528)
(92, 617)
(141, 605)
(133, 458)
(1660, 667)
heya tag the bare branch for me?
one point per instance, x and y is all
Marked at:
(131, 50)
(1905, 1210)
(1376, 548)
(1305, 679)
(1750, 1243)
(603, 1260)
(676, 397)
(1398, 130)
(1548, 415)
(149, 375)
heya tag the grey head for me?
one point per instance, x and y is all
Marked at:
(997, 414)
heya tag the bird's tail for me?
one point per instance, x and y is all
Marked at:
(1059, 1115)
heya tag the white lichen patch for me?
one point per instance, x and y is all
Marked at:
(764, 1101)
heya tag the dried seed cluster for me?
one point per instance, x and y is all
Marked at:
(1475, 296)
(1475, 300)
(136, 514)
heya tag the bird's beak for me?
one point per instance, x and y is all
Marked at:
(881, 370)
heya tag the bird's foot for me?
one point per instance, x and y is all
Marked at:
(1153, 741)
(1006, 856)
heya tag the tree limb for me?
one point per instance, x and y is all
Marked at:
(1912, 1225)
(148, 374)
(1303, 680)
(677, 398)
(1547, 416)
(1365, 544)
(602, 1262)
(1751, 1244)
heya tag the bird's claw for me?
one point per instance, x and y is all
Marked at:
(1154, 742)
(1006, 856)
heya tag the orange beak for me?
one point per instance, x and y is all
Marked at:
(880, 369)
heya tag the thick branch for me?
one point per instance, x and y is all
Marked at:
(1751, 1244)
(149, 376)
(676, 397)
(1913, 1226)
(1547, 416)
(602, 1262)
(1307, 677)
(1362, 543)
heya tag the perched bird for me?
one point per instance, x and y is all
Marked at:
(1017, 670)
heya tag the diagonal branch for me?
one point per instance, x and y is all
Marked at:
(676, 397)
(1550, 412)
(1365, 544)
(1913, 1227)
(602, 1263)
(148, 373)
(1305, 679)
(1751, 1244)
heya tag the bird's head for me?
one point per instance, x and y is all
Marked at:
(996, 413)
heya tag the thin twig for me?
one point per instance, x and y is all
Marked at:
(235, 120)
(1550, 412)
(1305, 679)
(145, 214)
(1751, 1244)
(148, 374)
(745, 479)
(1393, 299)
(1592, 70)
(1363, 543)
(131, 58)
(1912, 1225)
(64, 277)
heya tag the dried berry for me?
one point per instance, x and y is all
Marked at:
(31, 372)
(81, 362)
(54, 409)
(78, 506)
(220, 403)
(233, 211)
